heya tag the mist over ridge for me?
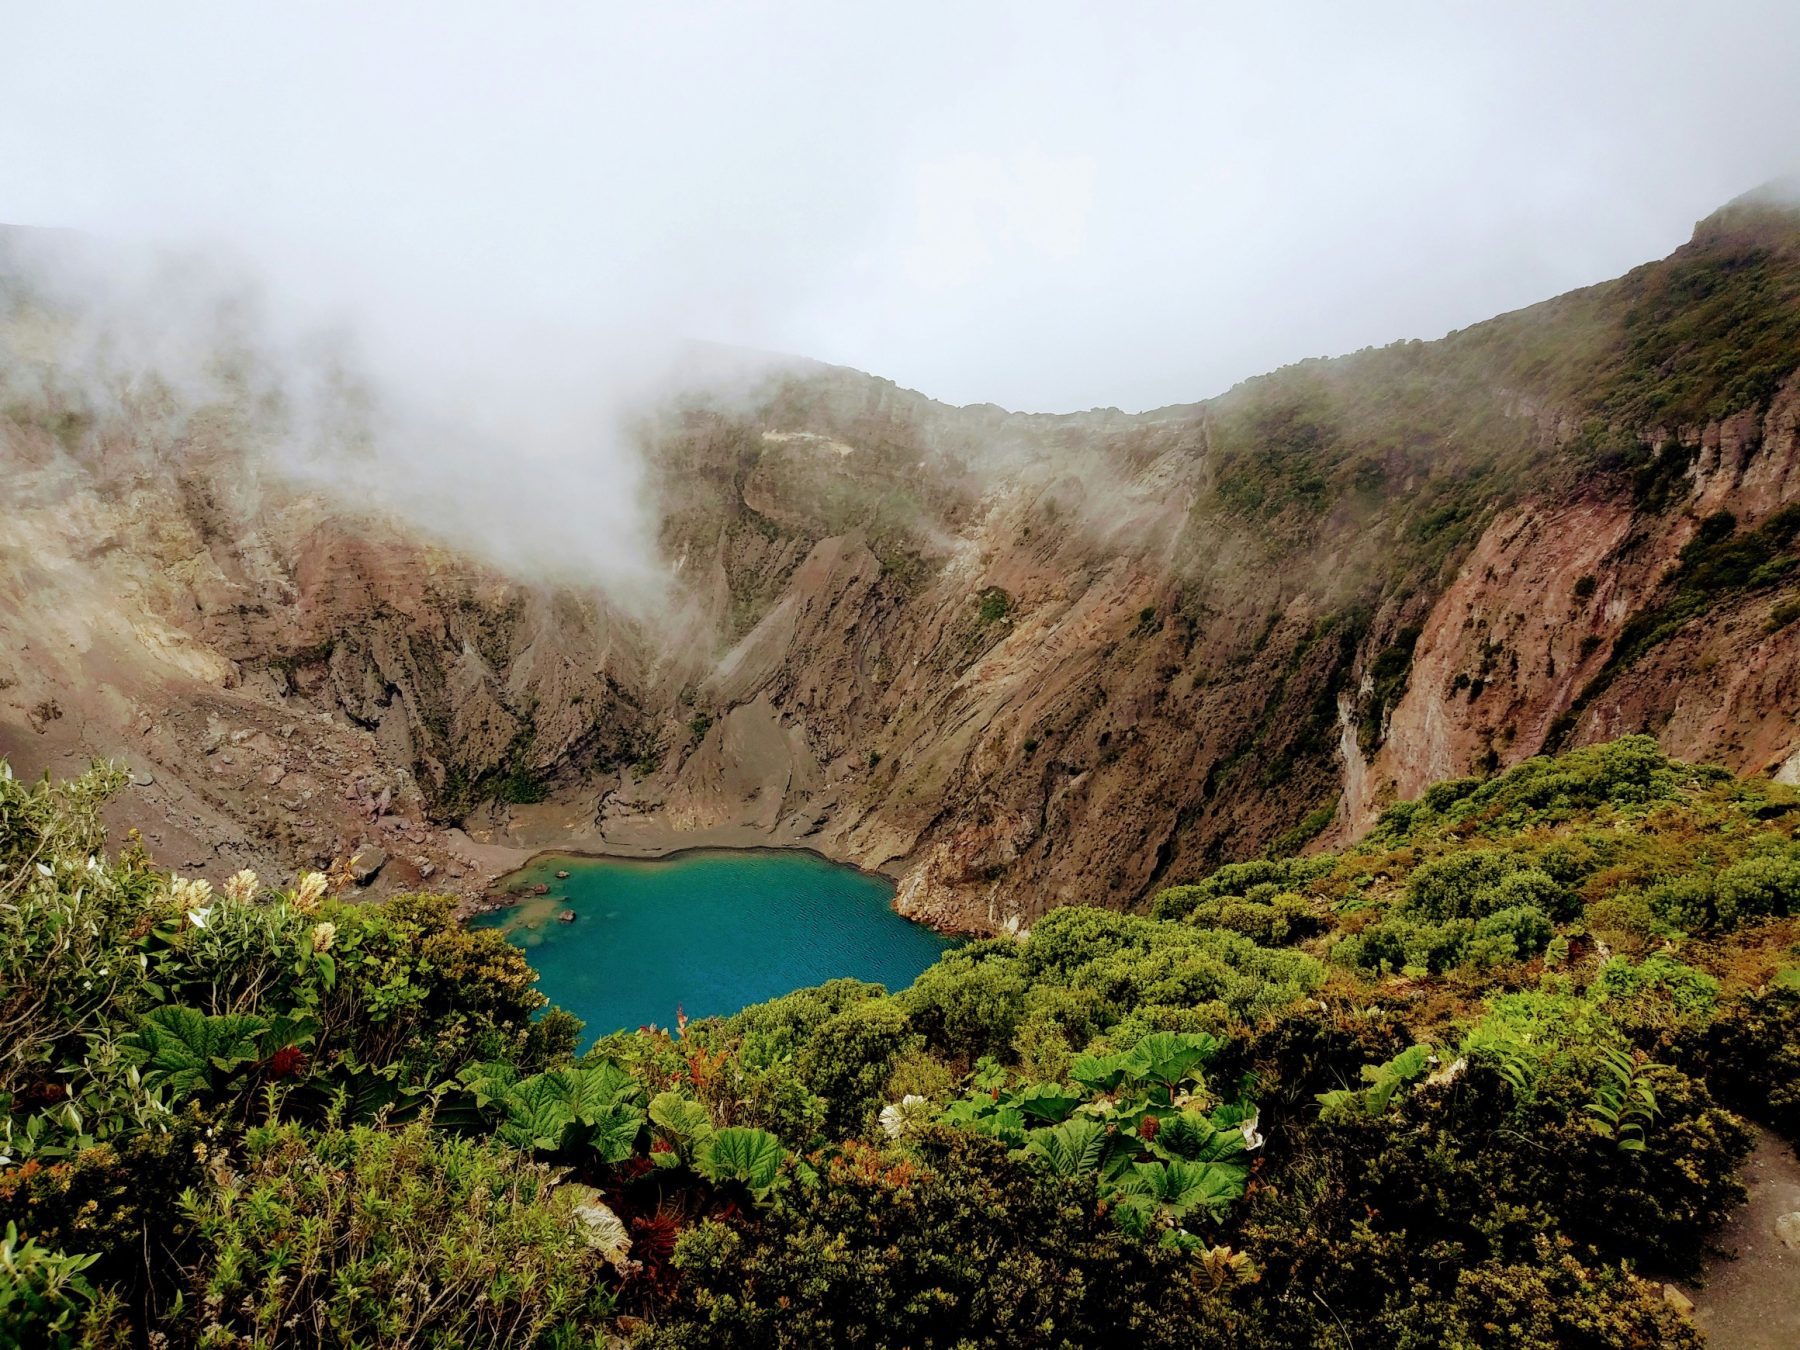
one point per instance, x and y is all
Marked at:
(1049, 210)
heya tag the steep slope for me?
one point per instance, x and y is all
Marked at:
(1017, 660)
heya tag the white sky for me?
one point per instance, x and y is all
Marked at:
(1043, 205)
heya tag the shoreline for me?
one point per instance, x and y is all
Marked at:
(671, 854)
(524, 858)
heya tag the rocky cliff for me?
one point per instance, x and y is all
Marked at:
(1016, 660)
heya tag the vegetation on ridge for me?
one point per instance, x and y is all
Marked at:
(1464, 1083)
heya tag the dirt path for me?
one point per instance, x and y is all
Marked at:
(1751, 1300)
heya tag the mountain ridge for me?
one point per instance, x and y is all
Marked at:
(1070, 657)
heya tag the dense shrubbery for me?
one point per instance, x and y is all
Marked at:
(368, 1236)
(1451, 1086)
(949, 1244)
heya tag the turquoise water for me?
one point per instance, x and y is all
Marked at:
(709, 932)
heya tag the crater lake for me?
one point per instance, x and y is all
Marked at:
(708, 932)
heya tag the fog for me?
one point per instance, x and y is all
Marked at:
(507, 218)
(1046, 206)
(511, 445)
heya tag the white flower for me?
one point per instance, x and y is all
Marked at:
(242, 886)
(904, 1116)
(309, 891)
(1252, 1139)
(190, 894)
(323, 935)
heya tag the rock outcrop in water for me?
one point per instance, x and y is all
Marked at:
(1017, 660)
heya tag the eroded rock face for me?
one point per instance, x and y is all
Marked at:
(1017, 661)
(1531, 618)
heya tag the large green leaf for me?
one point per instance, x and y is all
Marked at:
(1167, 1057)
(738, 1153)
(968, 1112)
(1045, 1101)
(1071, 1149)
(364, 1092)
(1005, 1123)
(284, 1031)
(611, 1131)
(1192, 1137)
(681, 1120)
(985, 1116)
(1098, 1073)
(1179, 1187)
(1232, 1115)
(1385, 1079)
(565, 1109)
(489, 1082)
(591, 1090)
(989, 1074)
(537, 1113)
(186, 1048)
(609, 1082)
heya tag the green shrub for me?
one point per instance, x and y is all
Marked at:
(118, 1204)
(47, 1301)
(1478, 882)
(849, 1058)
(366, 1236)
(992, 605)
(1629, 774)
(1751, 1057)
(952, 1244)
(1656, 1001)
(969, 1002)
(1259, 879)
(1282, 919)
(1758, 887)
(1510, 934)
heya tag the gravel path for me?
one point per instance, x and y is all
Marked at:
(1751, 1300)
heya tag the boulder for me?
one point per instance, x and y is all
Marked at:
(567, 916)
(367, 863)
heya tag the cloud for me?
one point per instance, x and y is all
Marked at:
(1047, 205)
(515, 448)
(970, 209)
